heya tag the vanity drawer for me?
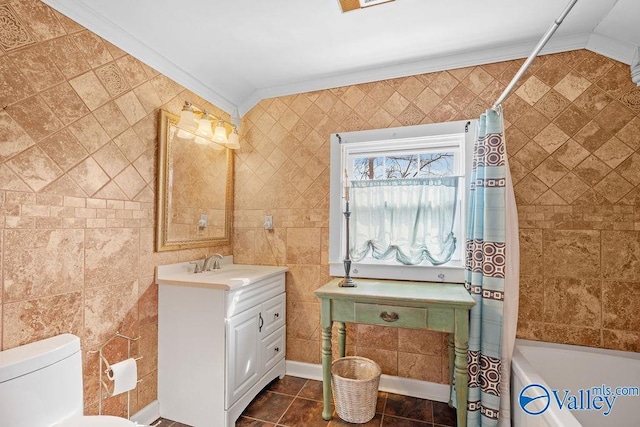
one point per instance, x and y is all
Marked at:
(273, 314)
(273, 348)
(389, 315)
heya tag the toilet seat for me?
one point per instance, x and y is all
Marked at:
(96, 421)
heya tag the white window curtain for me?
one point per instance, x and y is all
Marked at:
(409, 219)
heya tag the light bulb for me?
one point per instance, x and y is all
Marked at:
(234, 139)
(220, 133)
(187, 119)
(204, 127)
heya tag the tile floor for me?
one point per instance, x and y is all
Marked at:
(297, 402)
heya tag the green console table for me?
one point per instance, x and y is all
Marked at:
(440, 307)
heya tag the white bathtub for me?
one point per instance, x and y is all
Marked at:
(568, 369)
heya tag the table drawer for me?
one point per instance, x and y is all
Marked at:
(389, 315)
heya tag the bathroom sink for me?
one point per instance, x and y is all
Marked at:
(230, 276)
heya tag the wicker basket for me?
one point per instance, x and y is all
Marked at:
(355, 388)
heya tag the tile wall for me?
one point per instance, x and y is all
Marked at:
(573, 135)
(78, 136)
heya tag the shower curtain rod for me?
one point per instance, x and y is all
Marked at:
(543, 41)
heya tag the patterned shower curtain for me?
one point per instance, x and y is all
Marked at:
(491, 274)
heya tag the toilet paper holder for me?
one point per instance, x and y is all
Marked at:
(104, 363)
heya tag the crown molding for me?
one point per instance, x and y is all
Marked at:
(82, 13)
(461, 59)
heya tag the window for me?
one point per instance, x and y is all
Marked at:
(407, 198)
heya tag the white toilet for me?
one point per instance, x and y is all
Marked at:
(41, 386)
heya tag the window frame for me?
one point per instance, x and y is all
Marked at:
(346, 143)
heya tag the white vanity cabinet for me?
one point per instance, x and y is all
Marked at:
(218, 344)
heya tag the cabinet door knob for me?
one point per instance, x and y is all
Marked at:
(277, 349)
(260, 322)
(277, 315)
(389, 317)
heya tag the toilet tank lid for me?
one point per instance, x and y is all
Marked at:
(27, 358)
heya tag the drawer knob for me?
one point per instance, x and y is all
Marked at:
(389, 317)
(277, 349)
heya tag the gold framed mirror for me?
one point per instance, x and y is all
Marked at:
(194, 191)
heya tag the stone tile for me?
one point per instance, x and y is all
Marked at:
(613, 187)
(112, 79)
(89, 176)
(312, 389)
(130, 181)
(571, 253)
(288, 385)
(108, 309)
(269, 406)
(551, 138)
(532, 90)
(302, 281)
(67, 57)
(39, 20)
(148, 97)
(29, 270)
(630, 134)
(550, 171)
(551, 104)
(420, 341)
(303, 350)
(592, 170)
(573, 335)
(165, 87)
(145, 165)
(35, 168)
(64, 186)
(110, 159)
(614, 117)
(477, 80)
(303, 320)
(423, 367)
(613, 152)
(22, 322)
(89, 132)
(616, 81)
(13, 139)
(531, 252)
(132, 70)
(35, 117)
(427, 100)
(571, 120)
(93, 48)
(304, 412)
(15, 33)
(631, 100)
(459, 98)
(303, 246)
(531, 296)
(111, 119)
(443, 83)
(630, 169)
(387, 359)
(131, 107)
(64, 149)
(570, 187)
(385, 338)
(90, 90)
(592, 101)
(621, 340)
(148, 344)
(532, 122)
(111, 256)
(409, 407)
(130, 144)
(571, 154)
(13, 84)
(572, 301)
(552, 71)
(572, 86)
(592, 136)
(621, 255)
(529, 189)
(65, 103)
(619, 304)
(396, 104)
(531, 155)
(37, 66)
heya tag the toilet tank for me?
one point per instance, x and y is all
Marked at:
(41, 382)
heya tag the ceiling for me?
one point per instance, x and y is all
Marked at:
(235, 53)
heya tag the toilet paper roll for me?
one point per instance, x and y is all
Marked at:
(124, 376)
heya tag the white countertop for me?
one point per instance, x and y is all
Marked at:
(229, 277)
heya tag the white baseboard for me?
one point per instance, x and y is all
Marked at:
(389, 383)
(147, 415)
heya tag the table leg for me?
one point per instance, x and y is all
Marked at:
(326, 359)
(461, 340)
(451, 368)
(342, 337)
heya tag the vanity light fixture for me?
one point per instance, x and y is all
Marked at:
(196, 124)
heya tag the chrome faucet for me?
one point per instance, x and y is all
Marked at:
(199, 265)
(216, 262)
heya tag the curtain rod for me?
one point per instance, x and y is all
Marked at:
(543, 41)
